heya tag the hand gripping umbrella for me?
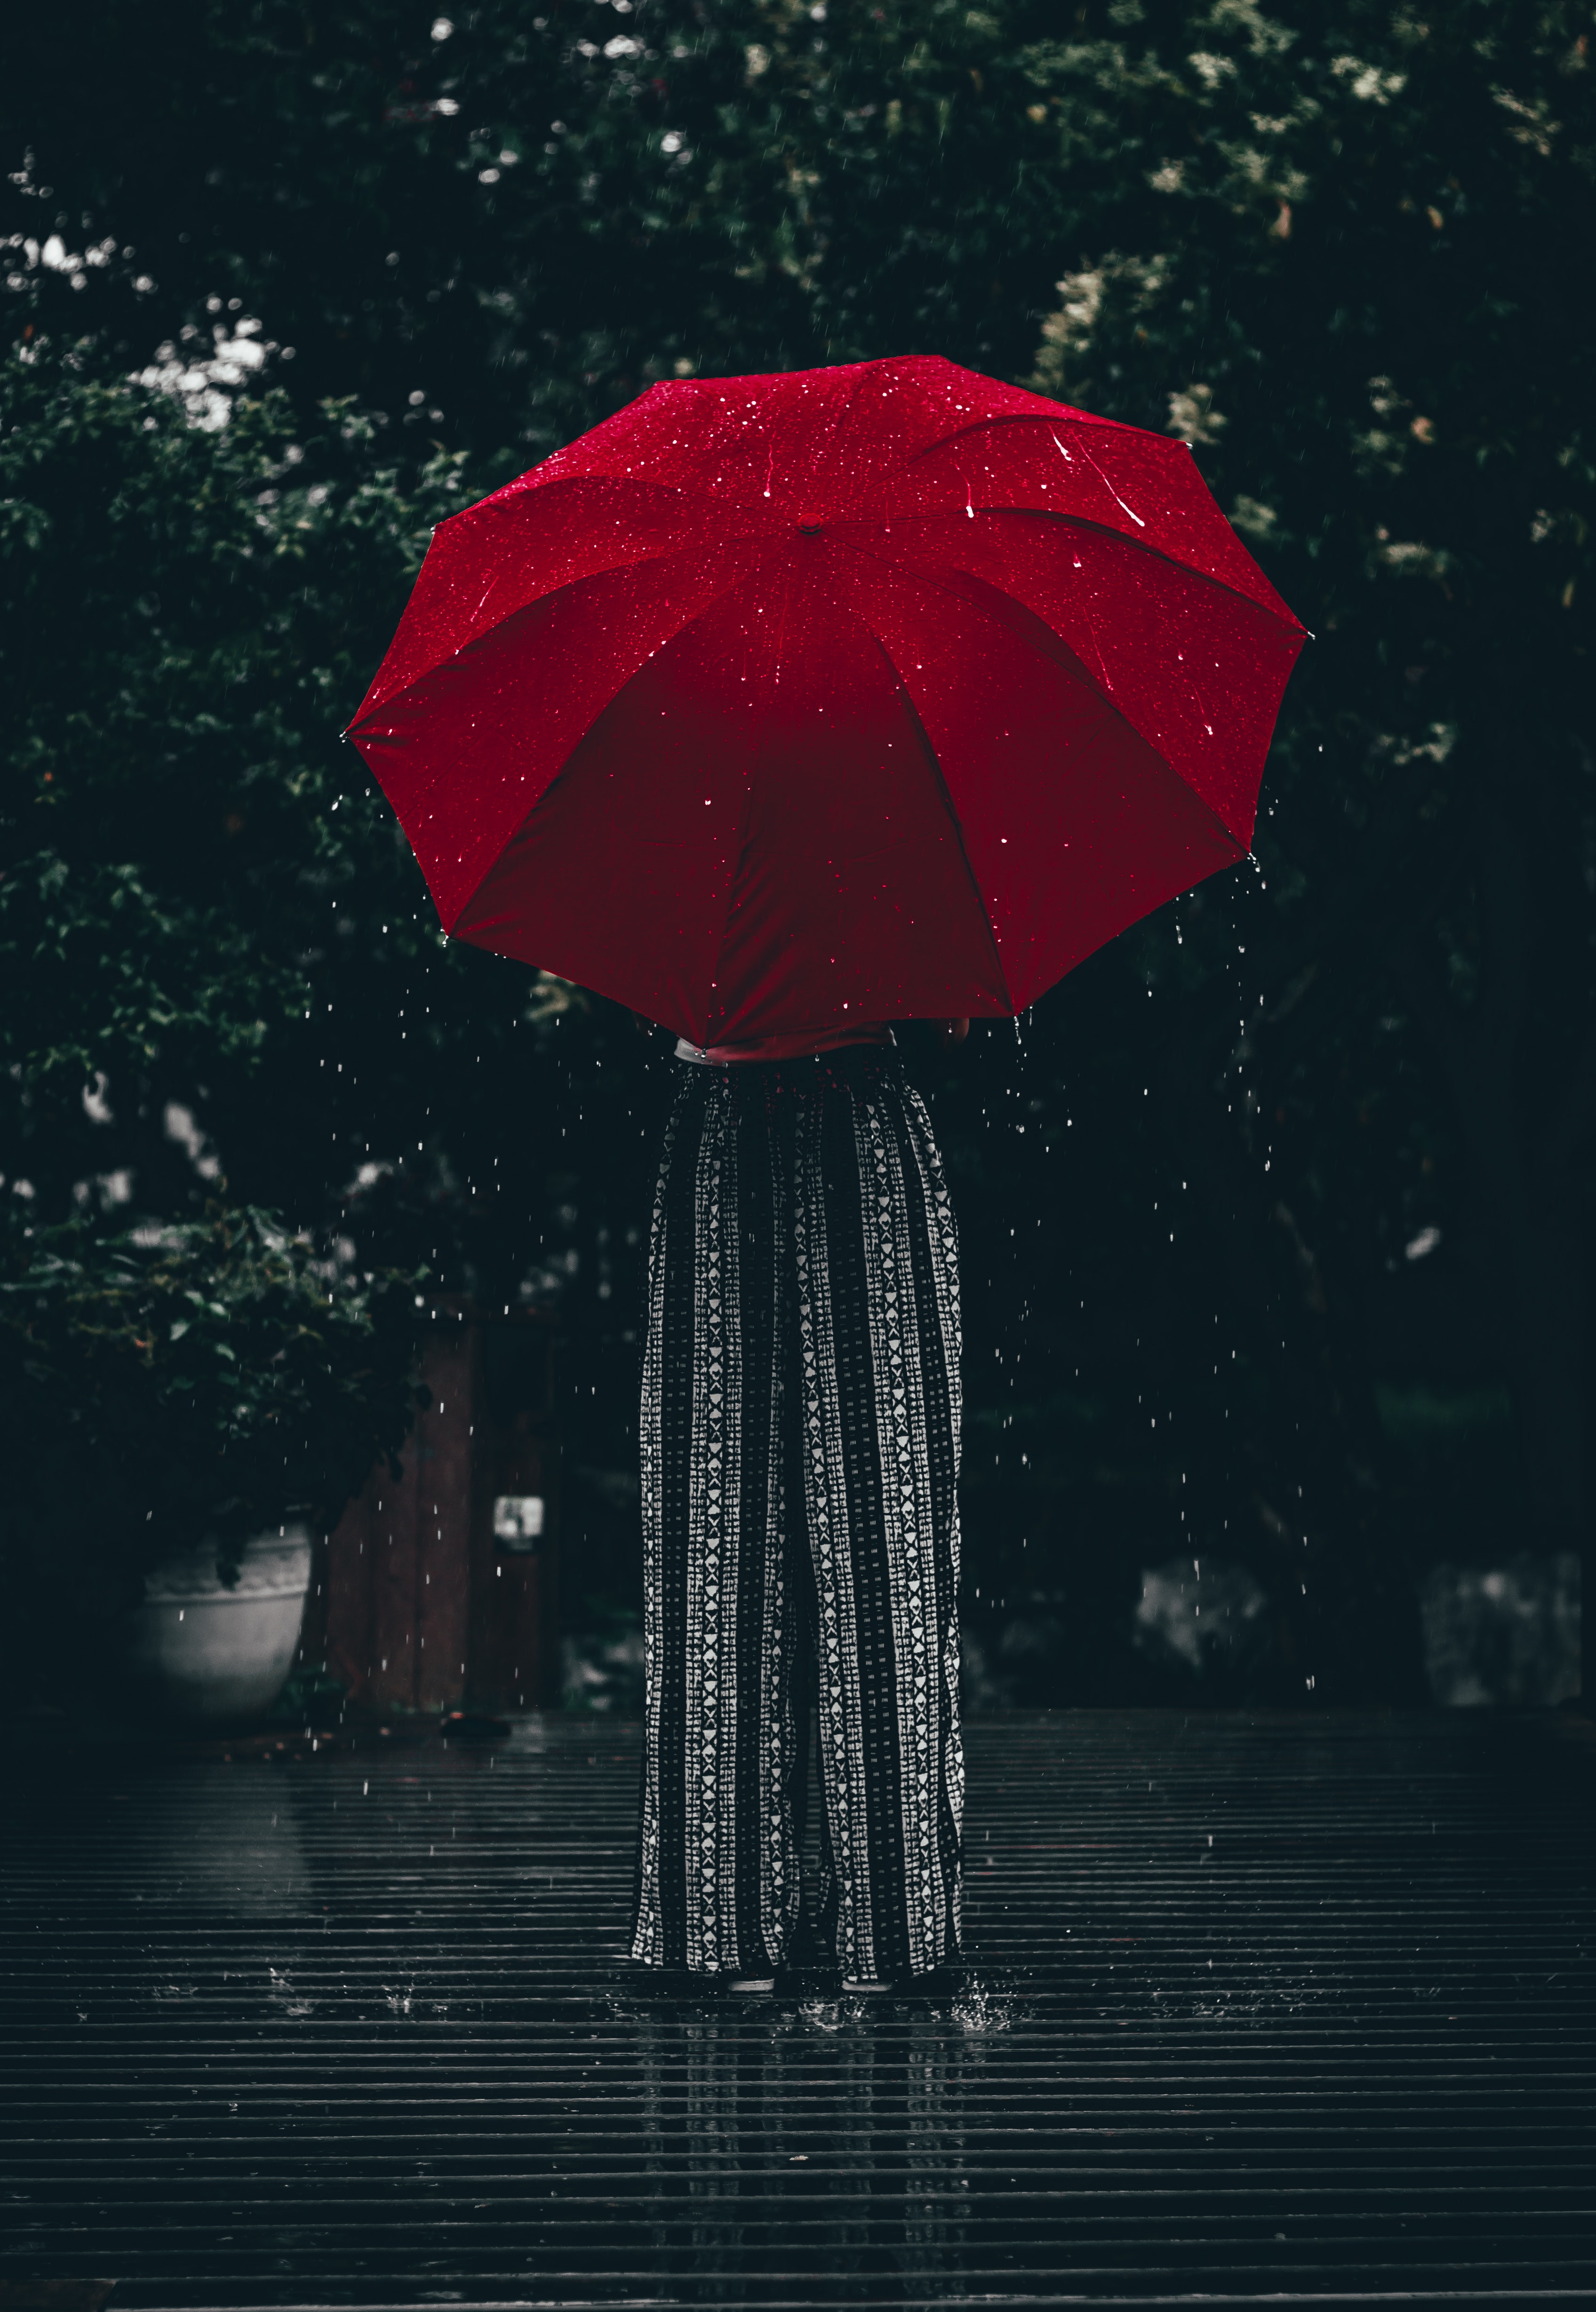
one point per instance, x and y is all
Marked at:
(864, 693)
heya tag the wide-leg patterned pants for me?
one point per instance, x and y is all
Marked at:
(800, 1445)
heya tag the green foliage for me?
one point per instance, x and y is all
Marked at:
(1320, 1131)
(182, 605)
(183, 624)
(199, 1380)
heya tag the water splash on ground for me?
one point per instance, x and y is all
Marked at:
(980, 2008)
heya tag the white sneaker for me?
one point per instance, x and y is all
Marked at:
(751, 1983)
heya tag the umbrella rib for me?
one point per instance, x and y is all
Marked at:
(1066, 417)
(1146, 546)
(556, 775)
(639, 562)
(759, 527)
(1080, 521)
(931, 756)
(1099, 679)
(1098, 682)
(680, 490)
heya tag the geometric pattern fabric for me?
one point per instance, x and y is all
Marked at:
(799, 1461)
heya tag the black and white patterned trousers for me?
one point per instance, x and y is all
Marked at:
(800, 1447)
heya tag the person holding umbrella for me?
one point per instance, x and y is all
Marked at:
(782, 708)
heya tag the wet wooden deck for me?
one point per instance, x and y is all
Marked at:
(1289, 2010)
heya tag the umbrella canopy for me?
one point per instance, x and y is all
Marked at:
(863, 693)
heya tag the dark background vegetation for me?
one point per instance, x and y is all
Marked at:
(1276, 1215)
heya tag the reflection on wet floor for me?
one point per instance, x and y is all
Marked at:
(1287, 2007)
(818, 2129)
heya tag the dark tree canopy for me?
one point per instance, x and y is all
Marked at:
(1278, 1214)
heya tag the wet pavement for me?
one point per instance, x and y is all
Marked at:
(1256, 2009)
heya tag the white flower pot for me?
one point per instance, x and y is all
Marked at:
(210, 1655)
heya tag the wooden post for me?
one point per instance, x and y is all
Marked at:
(442, 1585)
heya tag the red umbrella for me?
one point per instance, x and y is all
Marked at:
(864, 693)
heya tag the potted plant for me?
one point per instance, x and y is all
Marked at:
(189, 1402)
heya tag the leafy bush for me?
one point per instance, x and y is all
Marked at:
(199, 1380)
(1310, 1136)
(189, 615)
